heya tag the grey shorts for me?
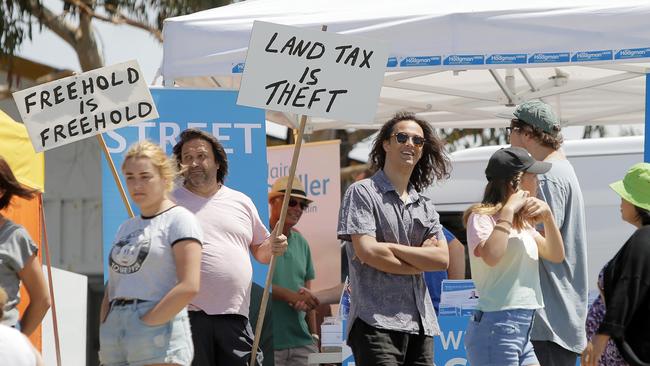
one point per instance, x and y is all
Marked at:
(296, 356)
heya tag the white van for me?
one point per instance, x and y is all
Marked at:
(597, 162)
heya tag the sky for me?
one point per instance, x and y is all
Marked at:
(118, 43)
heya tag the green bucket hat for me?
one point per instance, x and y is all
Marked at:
(538, 114)
(635, 187)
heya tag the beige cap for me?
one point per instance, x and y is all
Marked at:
(280, 186)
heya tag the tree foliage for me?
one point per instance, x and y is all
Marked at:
(71, 21)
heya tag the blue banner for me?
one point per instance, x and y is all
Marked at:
(646, 147)
(420, 61)
(587, 56)
(456, 60)
(241, 130)
(505, 59)
(449, 349)
(629, 53)
(553, 57)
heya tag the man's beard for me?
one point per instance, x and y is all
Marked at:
(197, 178)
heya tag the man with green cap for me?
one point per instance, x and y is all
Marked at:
(558, 333)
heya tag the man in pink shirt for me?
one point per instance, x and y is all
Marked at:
(233, 230)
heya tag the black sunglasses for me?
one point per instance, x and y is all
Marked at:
(510, 129)
(403, 137)
(293, 202)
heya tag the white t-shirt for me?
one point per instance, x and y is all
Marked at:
(15, 349)
(141, 261)
(231, 224)
(514, 282)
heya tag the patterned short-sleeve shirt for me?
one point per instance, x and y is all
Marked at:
(384, 300)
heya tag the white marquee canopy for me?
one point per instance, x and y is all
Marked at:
(455, 63)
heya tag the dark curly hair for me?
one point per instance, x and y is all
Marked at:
(9, 186)
(434, 163)
(217, 150)
(554, 141)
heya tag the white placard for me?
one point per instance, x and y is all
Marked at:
(314, 73)
(71, 297)
(84, 105)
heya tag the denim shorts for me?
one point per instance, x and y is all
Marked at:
(500, 338)
(125, 340)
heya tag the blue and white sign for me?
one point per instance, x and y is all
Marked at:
(457, 60)
(587, 56)
(240, 129)
(449, 347)
(553, 57)
(506, 59)
(628, 53)
(420, 61)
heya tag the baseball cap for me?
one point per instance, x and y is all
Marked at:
(635, 186)
(508, 161)
(538, 114)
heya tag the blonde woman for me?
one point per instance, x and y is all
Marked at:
(504, 251)
(154, 269)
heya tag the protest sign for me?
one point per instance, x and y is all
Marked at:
(84, 105)
(310, 73)
(313, 73)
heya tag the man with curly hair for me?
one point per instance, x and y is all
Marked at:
(392, 235)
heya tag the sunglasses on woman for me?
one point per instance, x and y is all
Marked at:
(293, 202)
(403, 137)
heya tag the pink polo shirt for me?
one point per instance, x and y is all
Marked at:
(231, 224)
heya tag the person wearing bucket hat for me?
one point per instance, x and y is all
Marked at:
(504, 249)
(558, 338)
(618, 320)
(293, 338)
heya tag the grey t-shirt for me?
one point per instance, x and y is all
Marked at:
(16, 247)
(383, 300)
(564, 285)
(141, 260)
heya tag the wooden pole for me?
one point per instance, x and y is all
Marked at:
(116, 177)
(276, 232)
